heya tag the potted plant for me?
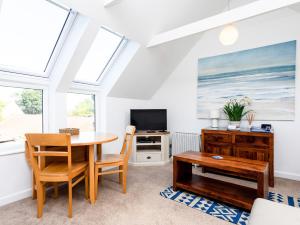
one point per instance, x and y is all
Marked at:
(235, 110)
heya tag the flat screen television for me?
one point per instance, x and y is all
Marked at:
(149, 119)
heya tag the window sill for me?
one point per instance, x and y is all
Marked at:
(11, 149)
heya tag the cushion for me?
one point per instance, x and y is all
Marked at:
(265, 212)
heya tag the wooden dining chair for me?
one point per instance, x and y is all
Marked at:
(58, 170)
(116, 160)
(34, 186)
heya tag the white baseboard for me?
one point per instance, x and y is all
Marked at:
(287, 175)
(15, 196)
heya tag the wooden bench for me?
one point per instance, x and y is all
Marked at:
(234, 194)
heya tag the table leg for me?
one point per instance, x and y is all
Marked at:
(181, 170)
(92, 175)
(175, 173)
(99, 156)
(99, 151)
(262, 185)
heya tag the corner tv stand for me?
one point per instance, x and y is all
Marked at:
(150, 148)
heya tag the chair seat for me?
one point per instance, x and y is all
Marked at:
(111, 158)
(61, 169)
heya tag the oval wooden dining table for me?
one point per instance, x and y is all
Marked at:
(91, 141)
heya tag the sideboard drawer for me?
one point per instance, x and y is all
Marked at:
(252, 141)
(219, 149)
(148, 156)
(252, 153)
(225, 138)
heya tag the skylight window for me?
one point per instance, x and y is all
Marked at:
(99, 56)
(29, 31)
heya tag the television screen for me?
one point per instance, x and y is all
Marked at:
(149, 119)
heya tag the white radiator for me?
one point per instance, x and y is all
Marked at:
(182, 142)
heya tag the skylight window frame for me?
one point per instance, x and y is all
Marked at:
(67, 25)
(110, 62)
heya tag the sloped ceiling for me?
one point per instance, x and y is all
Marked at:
(140, 20)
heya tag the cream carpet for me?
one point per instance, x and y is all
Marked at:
(142, 205)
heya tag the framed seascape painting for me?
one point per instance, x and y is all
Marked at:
(266, 75)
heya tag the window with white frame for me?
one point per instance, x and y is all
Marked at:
(81, 111)
(21, 111)
(100, 56)
(30, 32)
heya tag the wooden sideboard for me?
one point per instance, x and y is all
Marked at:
(243, 144)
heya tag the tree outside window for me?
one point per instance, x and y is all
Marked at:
(20, 112)
(81, 111)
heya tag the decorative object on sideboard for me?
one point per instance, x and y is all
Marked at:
(215, 116)
(72, 131)
(264, 128)
(250, 118)
(265, 74)
(235, 110)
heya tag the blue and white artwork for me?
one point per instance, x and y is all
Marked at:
(265, 74)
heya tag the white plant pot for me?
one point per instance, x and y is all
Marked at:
(235, 123)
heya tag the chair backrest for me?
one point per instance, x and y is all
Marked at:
(36, 144)
(127, 143)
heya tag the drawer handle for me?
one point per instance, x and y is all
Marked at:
(148, 157)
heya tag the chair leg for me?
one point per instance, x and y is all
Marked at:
(55, 189)
(40, 199)
(34, 191)
(44, 187)
(86, 184)
(70, 199)
(96, 182)
(120, 175)
(100, 177)
(124, 178)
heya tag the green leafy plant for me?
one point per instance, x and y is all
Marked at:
(84, 108)
(30, 101)
(235, 109)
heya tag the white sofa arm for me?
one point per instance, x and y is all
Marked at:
(265, 212)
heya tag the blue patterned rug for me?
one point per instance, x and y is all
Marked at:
(220, 210)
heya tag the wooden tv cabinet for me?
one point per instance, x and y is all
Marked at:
(243, 144)
(150, 149)
(227, 192)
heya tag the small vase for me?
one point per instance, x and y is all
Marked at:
(235, 123)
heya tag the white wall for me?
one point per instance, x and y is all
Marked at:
(15, 177)
(117, 114)
(178, 93)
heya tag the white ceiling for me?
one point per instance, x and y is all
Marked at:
(140, 20)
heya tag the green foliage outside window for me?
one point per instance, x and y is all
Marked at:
(84, 108)
(30, 101)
